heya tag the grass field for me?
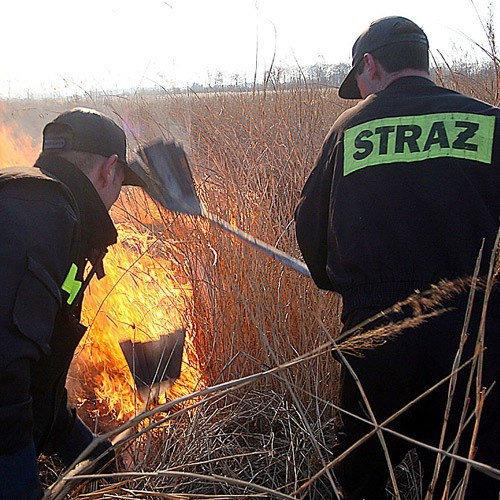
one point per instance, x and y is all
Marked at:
(259, 423)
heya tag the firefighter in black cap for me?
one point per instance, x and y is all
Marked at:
(53, 221)
(405, 193)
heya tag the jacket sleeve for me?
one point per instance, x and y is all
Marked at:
(312, 216)
(37, 229)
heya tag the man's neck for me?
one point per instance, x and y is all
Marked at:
(392, 77)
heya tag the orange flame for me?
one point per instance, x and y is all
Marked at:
(16, 148)
(139, 299)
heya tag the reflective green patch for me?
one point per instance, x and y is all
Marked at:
(71, 285)
(417, 138)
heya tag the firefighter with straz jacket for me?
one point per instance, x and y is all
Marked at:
(53, 221)
(404, 193)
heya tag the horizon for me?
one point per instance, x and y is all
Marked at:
(182, 43)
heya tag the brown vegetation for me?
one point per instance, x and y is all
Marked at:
(262, 423)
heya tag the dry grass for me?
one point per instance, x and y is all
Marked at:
(273, 432)
(229, 440)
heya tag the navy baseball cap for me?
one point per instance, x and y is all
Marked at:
(87, 130)
(382, 32)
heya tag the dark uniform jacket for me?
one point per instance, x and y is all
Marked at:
(403, 194)
(52, 222)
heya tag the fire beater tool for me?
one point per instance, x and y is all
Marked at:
(156, 364)
(164, 168)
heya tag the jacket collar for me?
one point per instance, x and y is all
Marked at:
(405, 81)
(98, 230)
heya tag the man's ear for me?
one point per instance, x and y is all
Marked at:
(372, 66)
(107, 169)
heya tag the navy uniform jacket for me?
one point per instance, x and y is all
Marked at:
(404, 192)
(52, 221)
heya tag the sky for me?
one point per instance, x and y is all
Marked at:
(65, 47)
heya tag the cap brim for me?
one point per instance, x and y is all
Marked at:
(349, 88)
(133, 179)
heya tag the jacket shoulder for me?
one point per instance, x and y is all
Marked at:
(13, 174)
(13, 179)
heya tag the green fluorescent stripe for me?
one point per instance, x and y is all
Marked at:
(417, 138)
(71, 285)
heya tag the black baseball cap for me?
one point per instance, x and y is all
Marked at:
(88, 130)
(382, 32)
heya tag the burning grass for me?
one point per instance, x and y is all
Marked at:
(140, 299)
(16, 147)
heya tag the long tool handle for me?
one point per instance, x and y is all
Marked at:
(261, 245)
(169, 181)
